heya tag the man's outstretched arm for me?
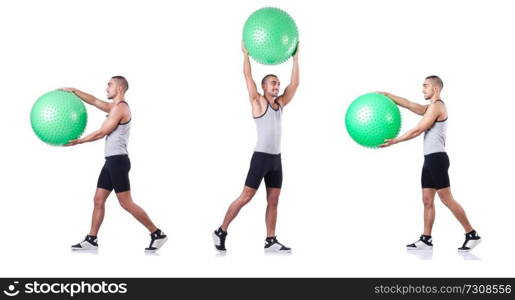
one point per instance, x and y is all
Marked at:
(90, 99)
(427, 121)
(109, 125)
(419, 109)
(291, 89)
(247, 72)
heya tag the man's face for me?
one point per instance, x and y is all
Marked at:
(112, 89)
(271, 86)
(428, 89)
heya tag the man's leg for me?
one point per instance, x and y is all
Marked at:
(272, 197)
(126, 202)
(255, 175)
(447, 199)
(425, 241)
(271, 242)
(104, 187)
(157, 237)
(273, 182)
(246, 195)
(428, 198)
(101, 196)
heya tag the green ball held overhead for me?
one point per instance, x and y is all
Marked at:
(58, 117)
(270, 36)
(371, 119)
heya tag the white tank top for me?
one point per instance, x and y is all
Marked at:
(268, 127)
(434, 137)
(116, 142)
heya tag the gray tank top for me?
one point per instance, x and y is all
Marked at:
(268, 127)
(434, 137)
(116, 141)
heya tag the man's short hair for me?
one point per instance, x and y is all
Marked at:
(266, 78)
(435, 80)
(122, 82)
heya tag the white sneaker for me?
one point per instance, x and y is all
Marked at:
(157, 240)
(89, 243)
(424, 243)
(472, 239)
(219, 237)
(273, 245)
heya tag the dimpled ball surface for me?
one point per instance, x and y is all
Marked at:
(270, 36)
(58, 117)
(372, 118)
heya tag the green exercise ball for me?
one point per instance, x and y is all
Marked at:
(58, 117)
(371, 119)
(270, 36)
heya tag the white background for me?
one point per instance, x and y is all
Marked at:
(345, 210)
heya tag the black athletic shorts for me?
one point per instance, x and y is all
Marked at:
(115, 174)
(264, 165)
(435, 173)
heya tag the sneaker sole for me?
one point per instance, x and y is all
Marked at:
(158, 244)
(276, 251)
(419, 249)
(472, 246)
(84, 249)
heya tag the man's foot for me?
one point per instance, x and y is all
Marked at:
(424, 243)
(273, 245)
(157, 240)
(219, 239)
(89, 243)
(472, 239)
